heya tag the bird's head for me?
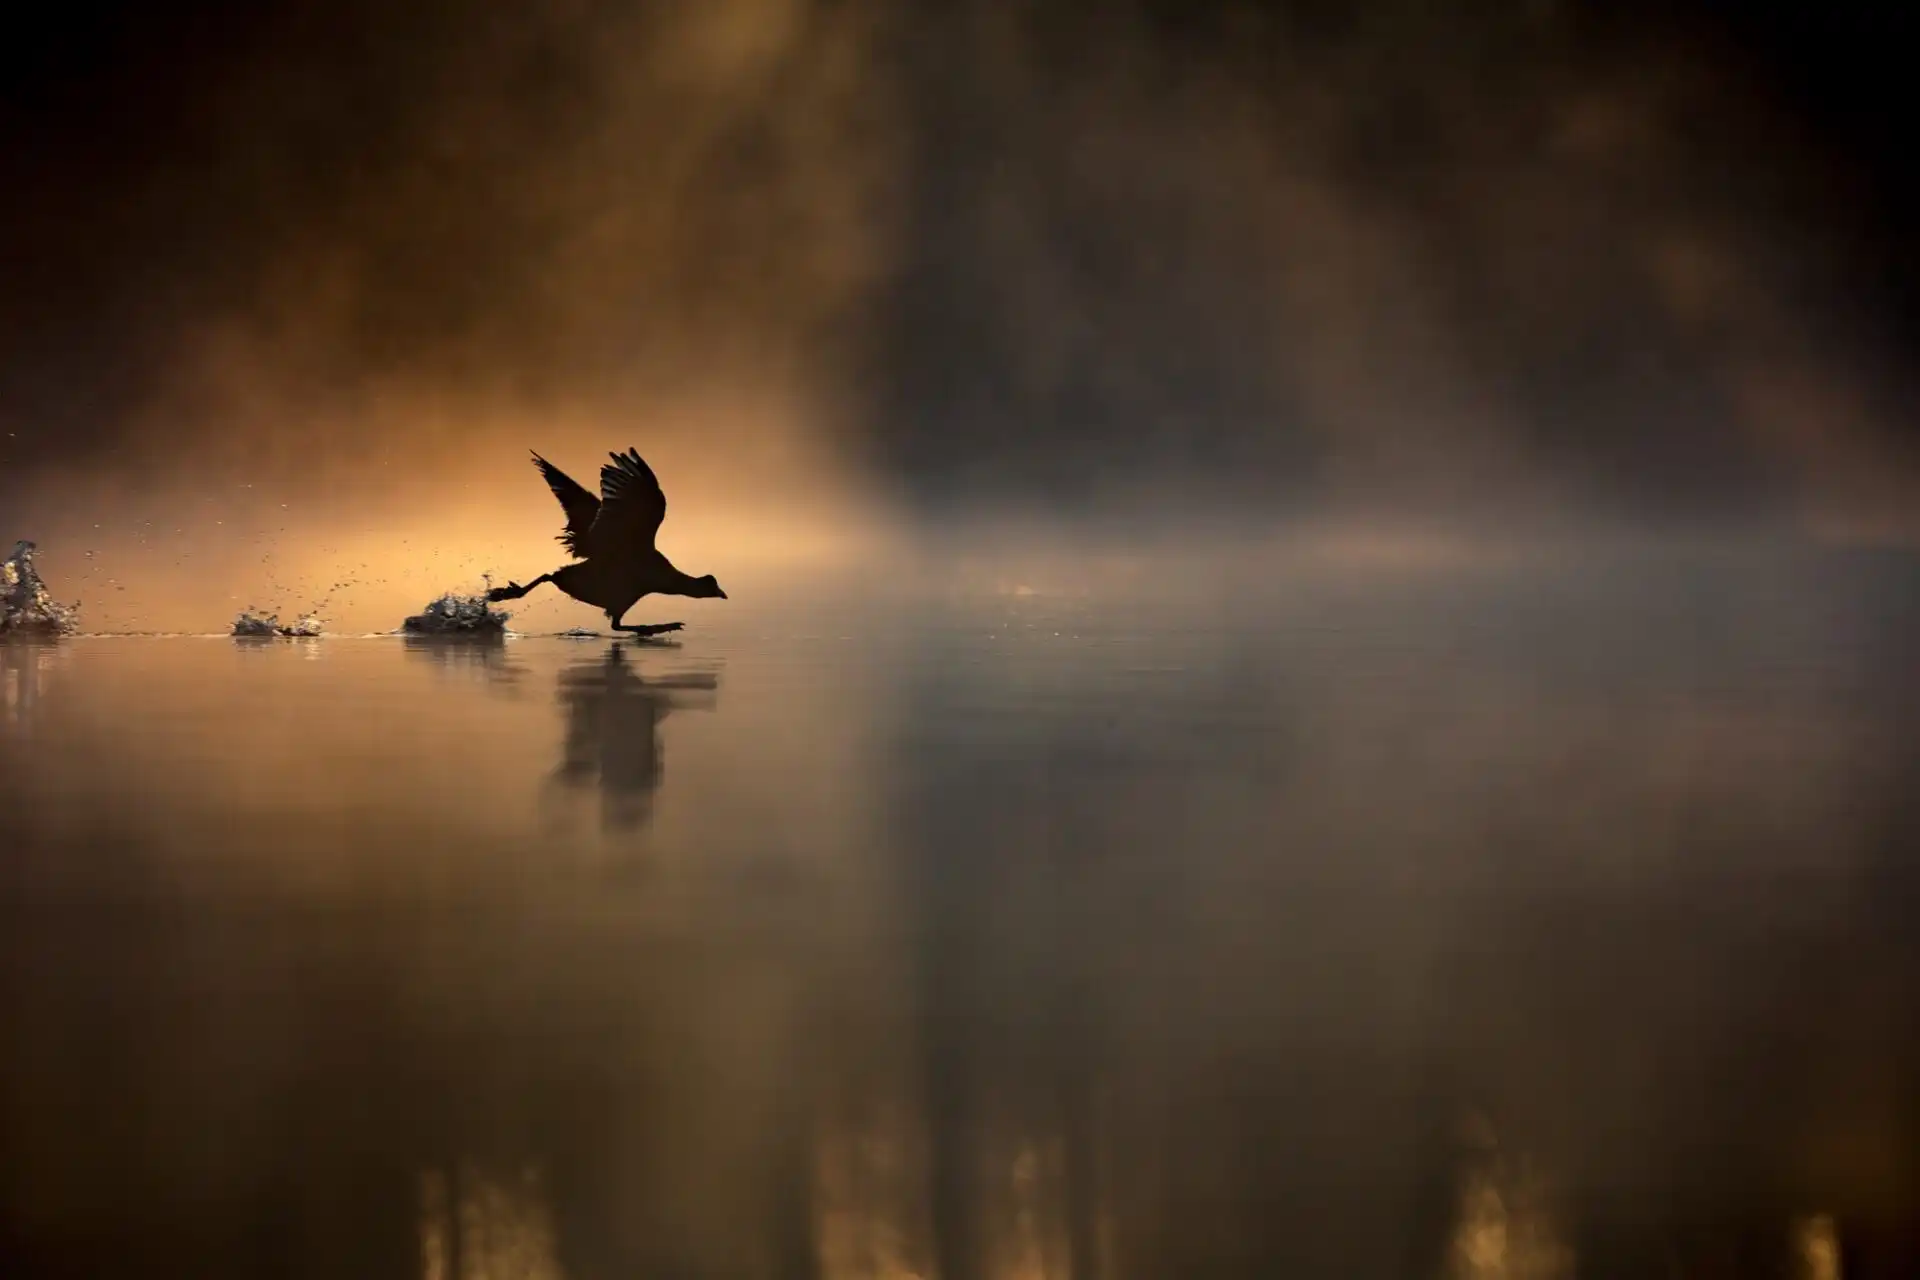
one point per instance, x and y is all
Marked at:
(707, 587)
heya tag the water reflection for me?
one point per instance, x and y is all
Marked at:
(612, 740)
(1218, 954)
(26, 669)
(477, 1227)
(308, 648)
(482, 658)
(1505, 1226)
(1816, 1241)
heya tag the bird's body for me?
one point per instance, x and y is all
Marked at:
(612, 540)
(617, 584)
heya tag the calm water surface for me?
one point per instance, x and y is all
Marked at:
(1543, 936)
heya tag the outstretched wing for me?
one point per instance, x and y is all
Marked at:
(631, 507)
(581, 507)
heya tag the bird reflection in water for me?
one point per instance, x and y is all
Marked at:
(613, 731)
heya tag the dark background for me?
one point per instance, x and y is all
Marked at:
(1089, 285)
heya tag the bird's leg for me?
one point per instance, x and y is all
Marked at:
(513, 590)
(658, 628)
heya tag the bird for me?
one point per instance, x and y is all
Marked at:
(611, 537)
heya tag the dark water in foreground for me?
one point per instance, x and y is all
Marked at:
(1405, 938)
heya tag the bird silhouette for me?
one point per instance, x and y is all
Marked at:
(612, 539)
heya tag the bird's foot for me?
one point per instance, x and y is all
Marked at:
(512, 591)
(654, 630)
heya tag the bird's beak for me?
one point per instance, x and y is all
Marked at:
(723, 595)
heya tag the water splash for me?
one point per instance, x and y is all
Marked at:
(458, 615)
(26, 608)
(250, 625)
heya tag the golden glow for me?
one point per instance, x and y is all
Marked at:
(366, 541)
(1816, 1241)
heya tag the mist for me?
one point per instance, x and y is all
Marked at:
(296, 289)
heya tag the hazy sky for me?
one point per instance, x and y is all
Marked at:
(836, 265)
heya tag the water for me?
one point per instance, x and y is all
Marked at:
(1432, 932)
(267, 626)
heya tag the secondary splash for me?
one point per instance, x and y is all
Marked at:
(250, 625)
(26, 608)
(458, 615)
